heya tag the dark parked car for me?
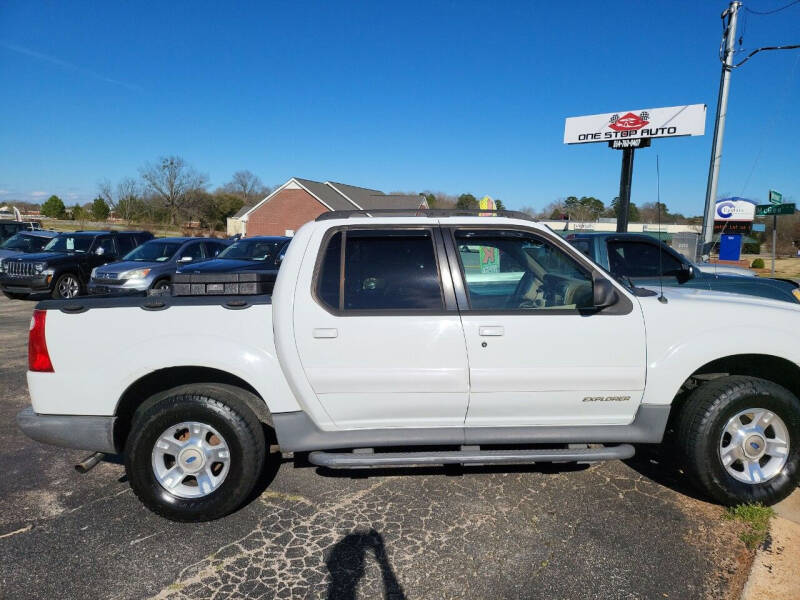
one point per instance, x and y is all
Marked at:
(26, 242)
(260, 253)
(63, 267)
(152, 265)
(639, 256)
(11, 228)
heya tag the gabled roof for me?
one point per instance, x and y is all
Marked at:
(326, 194)
(341, 196)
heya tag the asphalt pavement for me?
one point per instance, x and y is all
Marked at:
(612, 530)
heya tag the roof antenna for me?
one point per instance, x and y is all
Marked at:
(661, 298)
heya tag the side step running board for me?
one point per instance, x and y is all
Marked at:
(340, 460)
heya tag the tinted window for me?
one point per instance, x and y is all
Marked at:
(7, 230)
(253, 249)
(640, 259)
(107, 244)
(582, 246)
(193, 250)
(513, 270)
(25, 243)
(126, 243)
(328, 282)
(383, 270)
(214, 248)
(390, 270)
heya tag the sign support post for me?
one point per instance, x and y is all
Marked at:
(774, 240)
(625, 180)
(776, 208)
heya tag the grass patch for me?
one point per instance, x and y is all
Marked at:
(756, 517)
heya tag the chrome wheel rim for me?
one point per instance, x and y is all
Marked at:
(191, 459)
(754, 446)
(68, 287)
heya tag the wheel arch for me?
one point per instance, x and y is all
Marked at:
(164, 379)
(764, 366)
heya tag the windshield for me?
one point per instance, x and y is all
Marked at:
(70, 243)
(252, 250)
(24, 243)
(154, 251)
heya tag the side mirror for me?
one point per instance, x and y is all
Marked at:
(604, 293)
(686, 273)
(185, 259)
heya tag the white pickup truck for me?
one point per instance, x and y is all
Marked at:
(489, 339)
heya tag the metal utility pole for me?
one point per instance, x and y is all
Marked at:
(719, 125)
(625, 178)
(774, 240)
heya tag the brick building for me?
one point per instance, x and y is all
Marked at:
(300, 200)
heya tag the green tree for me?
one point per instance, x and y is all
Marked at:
(431, 199)
(498, 205)
(633, 211)
(54, 208)
(100, 209)
(467, 201)
(585, 208)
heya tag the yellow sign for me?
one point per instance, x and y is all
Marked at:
(486, 203)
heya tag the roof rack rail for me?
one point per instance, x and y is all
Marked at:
(432, 213)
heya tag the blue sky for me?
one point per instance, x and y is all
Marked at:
(449, 96)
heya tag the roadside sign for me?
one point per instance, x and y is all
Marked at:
(759, 227)
(669, 121)
(744, 227)
(775, 197)
(763, 210)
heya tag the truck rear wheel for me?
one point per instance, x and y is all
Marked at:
(194, 453)
(740, 437)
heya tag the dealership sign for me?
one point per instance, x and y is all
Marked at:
(735, 209)
(671, 121)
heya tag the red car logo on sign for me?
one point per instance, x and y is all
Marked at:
(628, 122)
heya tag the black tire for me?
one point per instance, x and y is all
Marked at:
(161, 284)
(60, 281)
(223, 408)
(701, 425)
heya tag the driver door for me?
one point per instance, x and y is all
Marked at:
(538, 352)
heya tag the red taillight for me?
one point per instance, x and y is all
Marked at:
(38, 357)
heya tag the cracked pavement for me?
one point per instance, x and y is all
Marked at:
(612, 530)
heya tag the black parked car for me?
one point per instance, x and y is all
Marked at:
(259, 253)
(63, 267)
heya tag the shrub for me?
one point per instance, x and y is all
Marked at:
(758, 263)
(751, 248)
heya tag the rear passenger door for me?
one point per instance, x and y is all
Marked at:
(380, 341)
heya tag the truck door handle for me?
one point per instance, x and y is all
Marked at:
(325, 333)
(490, 330)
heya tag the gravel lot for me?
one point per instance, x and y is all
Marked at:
(608, 531)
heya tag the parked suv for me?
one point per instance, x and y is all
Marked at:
(152, 265)
(260, 253)
(63, 267)
(26, 242)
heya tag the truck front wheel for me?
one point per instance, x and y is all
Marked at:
(195, 453)
(740, 437)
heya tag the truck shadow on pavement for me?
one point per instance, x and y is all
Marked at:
(346, 563)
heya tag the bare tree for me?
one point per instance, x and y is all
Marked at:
(246, 186)
(171, 180)
(125, 199)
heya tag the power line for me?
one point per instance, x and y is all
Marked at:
(771, 12)
(757, 50)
